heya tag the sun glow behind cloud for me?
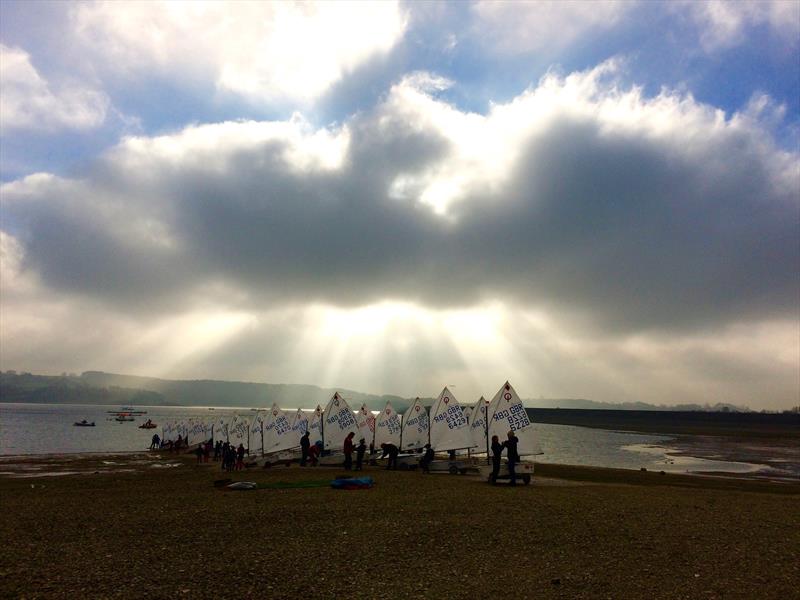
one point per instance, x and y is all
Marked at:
(323, 199)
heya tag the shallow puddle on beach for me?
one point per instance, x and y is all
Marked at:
(677, 463)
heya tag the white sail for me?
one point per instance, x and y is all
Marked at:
(197, 432)
(220, 430)
(299, 423)
(449, 428)
(168, 432)
(315, 426)
(477, 425)
(278, 433)
(415, 426)
(256, 437)
(238, 431)
(366, 425)
(338, 421)
(507, 413)
(183, 430)
(387, 427)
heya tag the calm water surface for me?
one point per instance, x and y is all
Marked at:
(49, 429)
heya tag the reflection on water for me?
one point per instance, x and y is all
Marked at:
(48, 429)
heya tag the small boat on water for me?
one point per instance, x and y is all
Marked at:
(148, 425)
(122, 418)
(83, 423)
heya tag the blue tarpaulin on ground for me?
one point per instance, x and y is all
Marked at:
(352, 483)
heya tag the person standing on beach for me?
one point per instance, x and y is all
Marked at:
(313, 454)
(305, 445)
(360, 451)
(427, 459)
(198, 452)
(155, 442)
(513, 456)
(240, 457)
(497, 455)
(391, 451)
(348, 451)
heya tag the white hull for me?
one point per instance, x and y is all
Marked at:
(453, 467)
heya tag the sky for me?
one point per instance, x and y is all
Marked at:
(592, 200)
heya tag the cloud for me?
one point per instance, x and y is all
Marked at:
(642, 240)
(261, 51)
(726, 24)
(28, 101)
(523, 27)
(628, 212)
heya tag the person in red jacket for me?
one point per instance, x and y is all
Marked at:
(348, 451)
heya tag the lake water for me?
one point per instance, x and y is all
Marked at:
(49, 429)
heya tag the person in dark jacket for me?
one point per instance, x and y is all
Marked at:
(240, 457)
(217, 450)
(305, 444)
(391, 451)
(427, 458)
(361, 449)
(314, 452)
(348, 451)
(497, 452)
(513, 456)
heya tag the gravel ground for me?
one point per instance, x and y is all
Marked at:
(576, 533)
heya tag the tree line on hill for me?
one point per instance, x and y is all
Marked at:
(97, 387)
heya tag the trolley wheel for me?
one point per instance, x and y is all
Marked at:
(526, 479)
(453, 470)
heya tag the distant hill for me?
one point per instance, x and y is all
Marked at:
(97, 387)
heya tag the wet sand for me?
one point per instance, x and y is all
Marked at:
(576, 532)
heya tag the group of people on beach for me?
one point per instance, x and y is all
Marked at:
(512, 454)
(232, 458)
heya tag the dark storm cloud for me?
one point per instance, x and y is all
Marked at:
(628, 229)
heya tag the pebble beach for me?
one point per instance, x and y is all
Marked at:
(154, 525)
